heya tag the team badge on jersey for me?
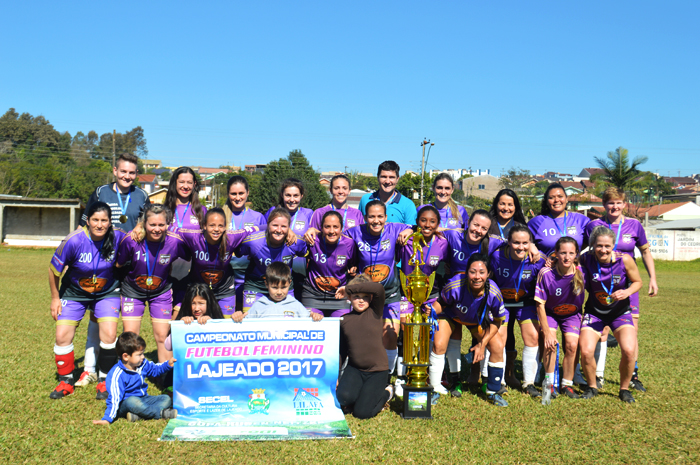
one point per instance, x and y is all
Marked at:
(193, 219)
(164, 259)
(452, 222)
(299, 225)
(340, 260)
(571, 231)
(386, 244)
(351, 223)
(434, 260)
(287, 259)
(627, 238)
(617, 278)
(526, 274)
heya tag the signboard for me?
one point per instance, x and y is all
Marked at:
(263, 379)
(674, 245)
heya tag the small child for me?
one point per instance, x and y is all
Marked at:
(200, 305)
(278, 278)
(126, 384)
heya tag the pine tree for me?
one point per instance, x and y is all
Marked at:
(295, 165)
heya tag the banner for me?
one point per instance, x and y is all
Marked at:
(263, 379)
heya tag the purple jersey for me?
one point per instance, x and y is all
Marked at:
(447, 220)
(602, 279)
(548, 230)
(514, 277)
(184, 218)
(629, 233)
(460, 250)
(90, 275)
(461, 305)
(261, 255)
(148, 273)
(300, 220)
(376, 256)
(239, 220)
(208, 266)
(327, 271)
(556, 292)
(351, 217)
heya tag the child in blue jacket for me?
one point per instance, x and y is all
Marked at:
(127, 388)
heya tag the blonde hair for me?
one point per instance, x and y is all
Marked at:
(613, 193)
(600, 231)
(274, 214)
(451, 203)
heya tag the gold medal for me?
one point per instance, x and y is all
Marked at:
(210, 285)
(149, 281)
(122, 219)
(609, 300)
(94, 279)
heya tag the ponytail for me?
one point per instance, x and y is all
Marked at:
(223, 245)
(577, 282)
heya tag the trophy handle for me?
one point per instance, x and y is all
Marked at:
(430, 283)
(403, 283)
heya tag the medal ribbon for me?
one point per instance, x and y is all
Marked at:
(182, 218)
(449, 215)
(294, 220)
(95, 266)
(345, 215)
(600, 279)
(501, 229)
(563, 233)
(121, 205)
(376, 255)
(619, 226)
(519, 271)
(155, 258)
(233, 219)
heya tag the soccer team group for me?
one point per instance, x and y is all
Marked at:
(493, 268)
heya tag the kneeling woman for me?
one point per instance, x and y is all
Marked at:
(148, 271)
(362, 387)
(610, 281)
(472, 300)
(559, 296)
(87, 258)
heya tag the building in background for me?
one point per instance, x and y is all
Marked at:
(484, 186)
(28, 221)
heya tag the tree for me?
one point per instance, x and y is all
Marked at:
(514, 178)
(617, 170)
(264, 194)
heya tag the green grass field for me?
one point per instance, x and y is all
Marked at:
(662, 427)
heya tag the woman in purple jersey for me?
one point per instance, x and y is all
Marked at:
(629, 233)
(559, 296)
(506, 213)
(211, 250)
(554, 221)
(329, 258)
(474, 239)
(472, 300)
(516, 276)
(376, 242)
(86, 256)
(182, 199)
(611, 278)
(239, 216)
(452, 216)
(147, 277)
(266, 247)
(351, 217)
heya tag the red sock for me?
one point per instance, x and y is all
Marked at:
(65, 364)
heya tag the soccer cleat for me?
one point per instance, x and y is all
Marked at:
(589, 393)
(626, 396)
(456, 390)
(532, 391)
(102, 393)
(496, 399)
(570, 393)
(132, 417)
(86, 377)
(168, 413)
(636, 384)
(599, 381)
(63, 389)
(440, 389)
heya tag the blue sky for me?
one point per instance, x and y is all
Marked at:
(536, 85)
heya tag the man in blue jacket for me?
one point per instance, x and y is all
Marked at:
(399, 209)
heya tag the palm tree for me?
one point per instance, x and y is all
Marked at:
(617, 169)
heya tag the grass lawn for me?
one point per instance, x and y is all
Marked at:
(661, 427)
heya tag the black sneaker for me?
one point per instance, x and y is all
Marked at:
(64, 388)
(589, 393)
(636, 384)
(456, 390)
(570, 393)
(503, 390)
(532, 391)
(168, 414)
(626, 396)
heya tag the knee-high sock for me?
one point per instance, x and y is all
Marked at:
(601, 353)
(65, 360)
(485, 364)
(392, 355)
(529, 364)
(107, 358)
(437, 365)
(495, 376)
(92, 346)
(400, 367)
(454, 355)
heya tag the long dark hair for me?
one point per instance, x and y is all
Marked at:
(203, 291)
(290, 182)
(331, 213)
(108, 242)
(544, 208)
(171, 197)
(518, 216)
(482, 316)
(223, 245)
(484, 249)
(237, 179)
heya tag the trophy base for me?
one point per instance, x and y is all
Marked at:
(417, 403)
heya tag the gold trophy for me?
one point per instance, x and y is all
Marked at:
(416, 335)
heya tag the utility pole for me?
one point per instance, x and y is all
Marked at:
(422, 166)
(114, 151)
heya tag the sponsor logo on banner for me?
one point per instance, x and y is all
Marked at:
(306, 401)
(164, 259)
(258, 403)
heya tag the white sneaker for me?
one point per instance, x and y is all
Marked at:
(440, 389)
(86, 378)
(398, 387)
(390, 390)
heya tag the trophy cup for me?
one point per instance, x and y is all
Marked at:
(416, 336)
